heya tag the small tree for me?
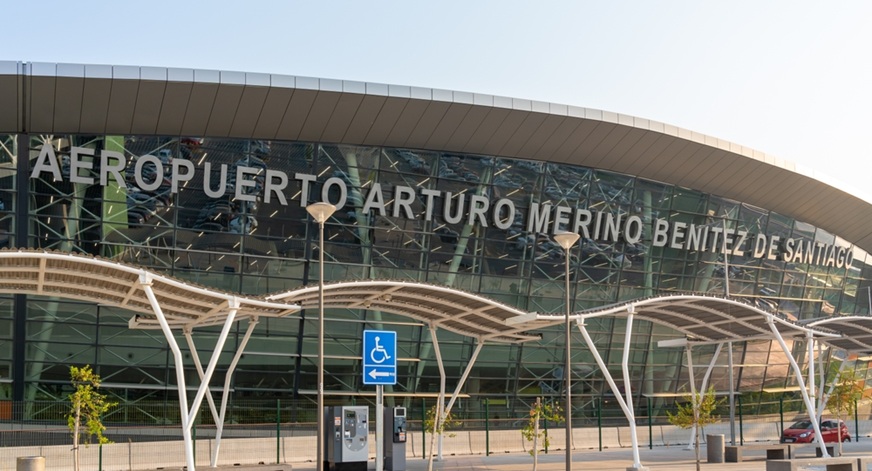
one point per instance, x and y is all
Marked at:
(847, 390)
(86, 407)
(437, 427)
(696, 411)
(531, 431)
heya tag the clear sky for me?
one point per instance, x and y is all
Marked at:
(790, 78)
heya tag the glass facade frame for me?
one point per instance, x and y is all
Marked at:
(229, 214)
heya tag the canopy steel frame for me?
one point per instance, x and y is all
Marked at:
(161, 302)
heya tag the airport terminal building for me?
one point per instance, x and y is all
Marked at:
(205, 176)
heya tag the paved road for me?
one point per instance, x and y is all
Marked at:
(660, 458)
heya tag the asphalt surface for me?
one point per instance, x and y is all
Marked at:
(676, 458)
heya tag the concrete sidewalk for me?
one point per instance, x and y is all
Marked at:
(660, 458)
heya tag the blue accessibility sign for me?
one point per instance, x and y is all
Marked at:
(379, 357)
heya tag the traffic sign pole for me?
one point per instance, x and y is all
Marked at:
(379, 369)
(379, 427)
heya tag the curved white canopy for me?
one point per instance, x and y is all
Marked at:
(87, 278)
(704, 319)
(856, 332)
(447, 308)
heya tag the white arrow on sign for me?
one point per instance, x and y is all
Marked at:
(375, 374)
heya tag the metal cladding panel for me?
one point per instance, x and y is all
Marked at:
(819, 205)
(199, 109)
(528, 127)
(443, 133)
(589, 147)
(224, 107)
(368, 111)
(643, 151)
(149, 98)
(677, 158)
(780, 195)
(675, 153)
(743, 177)
(561, 134)
(274, 107)
(344, 114)
(699, 165)
(122, 103)
(469, 125)
(504, 132)
(486, 129)
(610, 151)
(296, 114)
(41, 104)
(618, 155)
(10, 99)
(386, 119)
(95, 105)
(567, 152)
(248, 113)
(68, 98)
(406, 123)
(546, 130)
(174, 108)
(433, 114)
(319, 115)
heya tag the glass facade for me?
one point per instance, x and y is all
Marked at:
(230, 214)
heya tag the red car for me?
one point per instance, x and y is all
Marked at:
(803, 432)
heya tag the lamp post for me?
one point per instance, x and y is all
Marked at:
(567, 240)
(320, 212)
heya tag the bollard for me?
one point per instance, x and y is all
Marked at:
(715, 448)
(30, 463)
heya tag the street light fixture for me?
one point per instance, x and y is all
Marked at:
(567, 240)
(320, 212)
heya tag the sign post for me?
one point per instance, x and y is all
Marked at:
(379, 369)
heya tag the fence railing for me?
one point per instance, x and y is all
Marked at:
(285, 431)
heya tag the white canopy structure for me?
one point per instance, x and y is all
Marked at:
(166, 303)
(703, 320)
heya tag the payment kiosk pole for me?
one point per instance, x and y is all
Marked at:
(379, 369)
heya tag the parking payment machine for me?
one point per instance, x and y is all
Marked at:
(347, 440)
(395, 439)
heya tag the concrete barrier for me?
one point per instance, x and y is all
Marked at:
(30, 463)
(714, 448)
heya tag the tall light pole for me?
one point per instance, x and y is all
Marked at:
(320, 212)
(567, 240)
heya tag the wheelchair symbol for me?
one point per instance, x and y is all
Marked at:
(381, 350)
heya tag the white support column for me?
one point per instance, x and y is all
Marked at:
(688, 350)
(628, 413)
(145, 281)
(213, 362)
(252, 323)
(826, 397)
(438, 416)
(821, 401)
(628, 389)
(478, 346)
(811, 378)
(705, 379)
(196, 357)
(732, 395)
(809, 405)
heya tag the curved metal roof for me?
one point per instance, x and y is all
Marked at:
(86, 278)
(75, 98)
(856, 332)
(187, 305)
(705, 319)
(457, 311)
